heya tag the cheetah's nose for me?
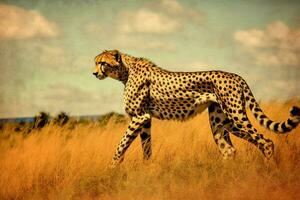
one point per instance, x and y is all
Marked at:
(95, 73)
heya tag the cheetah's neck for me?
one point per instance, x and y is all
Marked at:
(131, 62)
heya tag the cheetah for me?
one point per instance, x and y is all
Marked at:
(151, 91)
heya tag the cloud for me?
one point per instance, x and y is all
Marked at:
(147, 21)
(276, 45)
(122, 40)
(145, 28)
(18, 23)
(179, 12)
(162, 17)
(172, 6)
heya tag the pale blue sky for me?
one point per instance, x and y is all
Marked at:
(47, 48)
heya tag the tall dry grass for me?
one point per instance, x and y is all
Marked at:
(59, 163)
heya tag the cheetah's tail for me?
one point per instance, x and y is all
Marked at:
(278, 127)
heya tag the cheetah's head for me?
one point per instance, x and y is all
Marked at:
(108, 64)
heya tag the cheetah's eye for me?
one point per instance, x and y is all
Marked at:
(102, 63)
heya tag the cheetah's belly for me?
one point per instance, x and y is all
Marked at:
(179, 107)
(165, 112)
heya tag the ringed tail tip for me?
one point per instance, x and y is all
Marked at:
(295, 111)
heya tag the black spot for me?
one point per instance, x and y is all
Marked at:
(219, 111)
(217, 120)
(251, 106)
(239, 125)
(235, 129)
(261, 121)
(192, 112)
(211, 108)
(251, 140)
(261, 146)
(137, 123)
(148, 83)
(144, 135)
(249, 126)
(257, 109)
(268, 140)
(226, 121)
(138, 130)
(131, 137)
(147, 124)
(263, 116)
(222, 145)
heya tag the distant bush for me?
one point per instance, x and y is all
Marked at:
(23, 127)
(61, 119)
(41, 120)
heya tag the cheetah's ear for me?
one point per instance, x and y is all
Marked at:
(117, 55)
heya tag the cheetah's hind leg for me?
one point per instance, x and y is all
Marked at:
(243, 128)
(221, 126)
(145, 136)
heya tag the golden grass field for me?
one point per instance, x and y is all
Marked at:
(62, 163)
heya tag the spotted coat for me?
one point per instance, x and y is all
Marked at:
(151, 91)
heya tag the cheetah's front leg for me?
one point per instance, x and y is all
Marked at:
(132, 131)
